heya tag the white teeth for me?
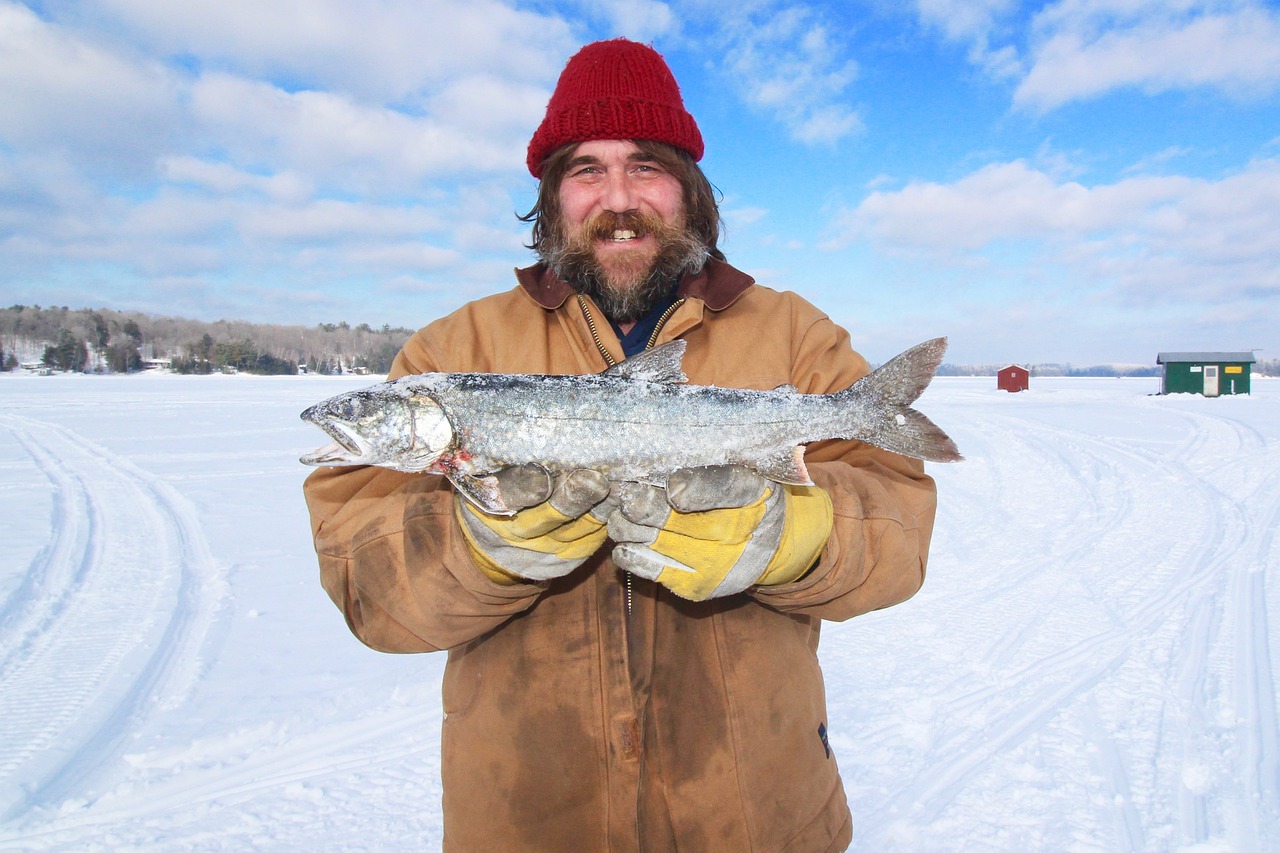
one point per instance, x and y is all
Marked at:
(624, 235)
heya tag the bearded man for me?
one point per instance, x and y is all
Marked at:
(630, 668)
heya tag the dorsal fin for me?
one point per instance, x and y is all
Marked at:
(660, 364)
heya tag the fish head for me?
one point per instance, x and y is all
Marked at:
(384, 425)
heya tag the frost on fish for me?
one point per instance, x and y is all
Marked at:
(636, 421)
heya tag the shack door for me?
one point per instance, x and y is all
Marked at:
(1211, 380)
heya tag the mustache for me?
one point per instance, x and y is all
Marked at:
(605, 224)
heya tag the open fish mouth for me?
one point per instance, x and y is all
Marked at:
(345, 447)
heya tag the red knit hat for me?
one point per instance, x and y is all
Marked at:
(615, 89)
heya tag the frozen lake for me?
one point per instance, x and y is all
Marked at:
(1088, 667)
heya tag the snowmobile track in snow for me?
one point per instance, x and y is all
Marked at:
(108, 620)
(1175, 617)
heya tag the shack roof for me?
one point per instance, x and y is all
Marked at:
(1205, 357)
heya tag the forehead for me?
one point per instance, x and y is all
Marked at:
(605, 150)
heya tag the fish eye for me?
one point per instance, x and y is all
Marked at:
(349, 409)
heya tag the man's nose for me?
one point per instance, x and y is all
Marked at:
(620, 193)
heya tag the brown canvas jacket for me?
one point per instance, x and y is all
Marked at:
(577, 720)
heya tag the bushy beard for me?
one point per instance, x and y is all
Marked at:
(627, 285)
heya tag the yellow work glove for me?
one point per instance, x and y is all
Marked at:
(716, 531)
(553, 532)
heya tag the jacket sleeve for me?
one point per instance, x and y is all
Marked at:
(884, 504)
(391, 557)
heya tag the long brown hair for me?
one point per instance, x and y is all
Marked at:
(702, 213)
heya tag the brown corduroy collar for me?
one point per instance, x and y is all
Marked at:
(718, 285)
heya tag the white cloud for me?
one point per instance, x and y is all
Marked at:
(978, 22)
(1155, 238)
(60, 92)
(640, 20)
(225, 179)
(329, 220)
(412, 255)
(336, 140)
(1073, 50)
(965, 19)
(489, 107)
(1087, 49)
(381, 50)
(788, 64)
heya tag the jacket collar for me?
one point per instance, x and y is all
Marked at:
(718, 285)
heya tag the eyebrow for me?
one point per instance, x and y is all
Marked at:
(637, 156)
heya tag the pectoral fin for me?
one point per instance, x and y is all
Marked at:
(786, 466)
(481, 491)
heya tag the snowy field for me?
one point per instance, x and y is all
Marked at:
(1089, 666)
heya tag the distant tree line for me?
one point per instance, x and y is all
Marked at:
(99, 340)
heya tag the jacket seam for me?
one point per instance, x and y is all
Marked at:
(747, 818)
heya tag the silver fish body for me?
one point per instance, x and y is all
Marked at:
(637, 421)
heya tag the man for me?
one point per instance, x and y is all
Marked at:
(631, 669)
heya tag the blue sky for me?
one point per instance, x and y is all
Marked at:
(1079, 181)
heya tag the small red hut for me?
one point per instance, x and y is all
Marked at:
(1013, 378)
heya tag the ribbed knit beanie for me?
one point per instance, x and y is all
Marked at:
(616, 89)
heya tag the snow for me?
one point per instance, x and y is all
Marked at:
(1087, 668)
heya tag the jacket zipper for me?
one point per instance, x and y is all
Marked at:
(595, 333)
(611, 361)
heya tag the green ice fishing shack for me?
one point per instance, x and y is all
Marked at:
(1208, 373)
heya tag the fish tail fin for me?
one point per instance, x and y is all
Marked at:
(897, 384)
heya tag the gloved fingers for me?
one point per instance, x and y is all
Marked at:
(536, 543)
(684, 580)
(703, 555)
(623, 530)
(646, 563)
(607, 508)
(647, 512)
(565, 516)
(643, 503)
(523, 485)
(575, 493)
(713, 487)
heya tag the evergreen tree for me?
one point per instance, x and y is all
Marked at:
(124, 358)
(70, 353)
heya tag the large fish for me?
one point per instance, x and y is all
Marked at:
(636, 421)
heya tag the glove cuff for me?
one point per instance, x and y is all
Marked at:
(805, 533)
(479, 556)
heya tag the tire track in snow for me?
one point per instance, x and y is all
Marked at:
(1192, 609)
(1108, 483)
(1248, 481)
(1255, 687)
(108, 625)
(56, 568)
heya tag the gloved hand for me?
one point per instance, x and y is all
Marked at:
(716, 531)
(551, 534)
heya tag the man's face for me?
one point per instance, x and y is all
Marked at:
(614, 176)
(622, 235)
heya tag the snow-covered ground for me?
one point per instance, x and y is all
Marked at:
(1088, 667)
